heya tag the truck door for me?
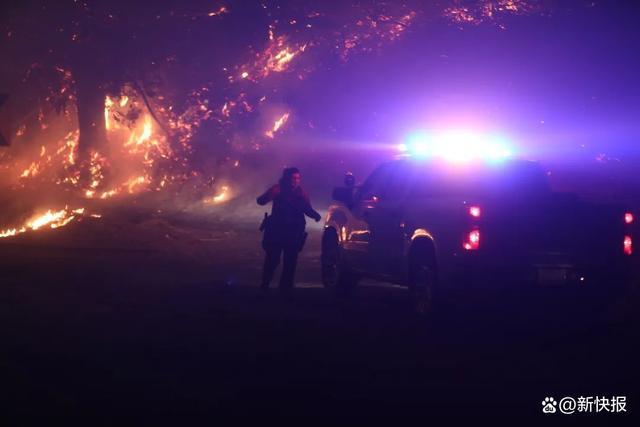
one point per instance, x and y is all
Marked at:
(367, 199)
(386, 222)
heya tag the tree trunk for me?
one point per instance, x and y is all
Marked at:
(91, 121)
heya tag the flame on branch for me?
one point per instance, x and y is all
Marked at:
(275, 58)
(277, 125)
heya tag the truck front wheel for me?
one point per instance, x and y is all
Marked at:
(335, 273)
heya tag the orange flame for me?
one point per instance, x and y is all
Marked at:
(50, 219)
(277, 125)
(222, 196)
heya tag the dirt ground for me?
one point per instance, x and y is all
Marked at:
(159, 319)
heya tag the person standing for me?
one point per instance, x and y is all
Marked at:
(284, 230)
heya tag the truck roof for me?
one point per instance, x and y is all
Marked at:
(440, 178)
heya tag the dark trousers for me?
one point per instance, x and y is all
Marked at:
(271, 261)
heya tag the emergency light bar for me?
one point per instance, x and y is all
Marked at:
(455, 146)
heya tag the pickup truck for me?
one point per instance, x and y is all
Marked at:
(433, 227)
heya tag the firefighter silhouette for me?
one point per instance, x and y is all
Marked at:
(284, 230)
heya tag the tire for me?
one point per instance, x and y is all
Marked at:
(335, 273)
(330, 258)
(424, 295)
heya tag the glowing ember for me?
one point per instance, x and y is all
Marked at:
(460, 15)
(279, 62)
(277, 125)
(370, 30)
(276, 57)
(218, 12)
(222, 196)
(488, 10)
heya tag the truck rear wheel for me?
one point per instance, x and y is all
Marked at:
(423, 278)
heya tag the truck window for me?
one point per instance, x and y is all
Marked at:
(390, 181)
(398, 182)
(376, 183)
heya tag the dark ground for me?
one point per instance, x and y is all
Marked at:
(165, 324)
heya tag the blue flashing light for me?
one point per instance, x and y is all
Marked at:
(456, 146)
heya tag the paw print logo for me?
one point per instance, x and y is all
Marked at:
(549, 405)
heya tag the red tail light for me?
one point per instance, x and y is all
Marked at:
(627, 245)
(475, 211)
(628, 218)
(472, 241)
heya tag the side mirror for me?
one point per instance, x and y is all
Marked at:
(344, 195)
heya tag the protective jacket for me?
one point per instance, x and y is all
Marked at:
(289, 209)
